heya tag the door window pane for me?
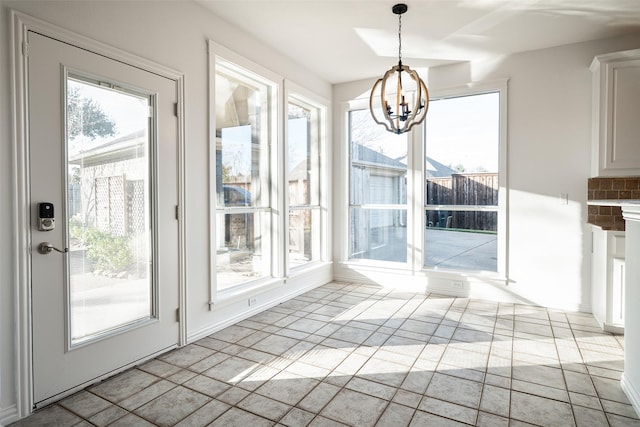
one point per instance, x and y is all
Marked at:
(108, 206)
(461, 170)
(377, 176)
(243, 133)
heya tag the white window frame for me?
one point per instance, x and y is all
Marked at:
(297, 94)
(272, 228)
(415, 203)
(413, 139)
(478, 88)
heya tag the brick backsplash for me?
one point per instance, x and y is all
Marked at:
(610, 217)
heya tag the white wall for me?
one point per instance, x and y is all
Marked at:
(173, 34)
(549, 137)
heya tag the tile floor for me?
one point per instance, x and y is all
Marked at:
(347, 354)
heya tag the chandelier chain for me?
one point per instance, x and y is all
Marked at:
(400, 38)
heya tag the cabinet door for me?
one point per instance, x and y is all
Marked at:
(619, 127)
(617, 292)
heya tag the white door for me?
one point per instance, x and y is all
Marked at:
(103, 162)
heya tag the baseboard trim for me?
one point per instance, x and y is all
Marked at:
(8, 415)
(217, 326)
(632, 393)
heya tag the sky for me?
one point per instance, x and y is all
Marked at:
(459, 131)
(466, 131)
(129, 112)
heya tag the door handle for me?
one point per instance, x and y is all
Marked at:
(46, 248)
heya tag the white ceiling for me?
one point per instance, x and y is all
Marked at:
(346, 40)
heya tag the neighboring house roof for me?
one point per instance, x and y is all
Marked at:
(435, 169)
(367, 157)
(299, 172)
(371, 159)
(118, 149)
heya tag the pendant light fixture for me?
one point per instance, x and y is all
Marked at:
(396, 103)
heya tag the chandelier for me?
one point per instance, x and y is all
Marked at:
(400, 104)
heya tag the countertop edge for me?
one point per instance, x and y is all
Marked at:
(614, 202)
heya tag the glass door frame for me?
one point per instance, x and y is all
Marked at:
(21, 25)
(151, 188)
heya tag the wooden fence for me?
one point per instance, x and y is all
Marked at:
(463, 189)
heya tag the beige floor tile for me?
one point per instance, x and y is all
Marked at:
(172, 406)
(395, 415)
(297, 418)
(540, 390)
(384, 371)
(54, 415)
(617, 408)
(455, 390)
(131, 420)
(449, 410)
(264, 407)
(124, 385)
(360, 355)
(148, 394)
(85, 404)
(186, 356)
(319, 397)
(579, 383)
(232, 370)
(371, 388)
(275, 344)
(208, 362)
(108, 416)
(610, 389)
(205, 414)
(353, 408)
(491, 420)
(586, 417)
(159, 368)
(288, 388)
(542, 375)
(619, 421)
(235, 417)
(540, 411)
(495, 400)
(207, 386)
(421, 419)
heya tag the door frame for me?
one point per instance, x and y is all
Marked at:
(21, 24)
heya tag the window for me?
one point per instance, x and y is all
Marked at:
(244, 117)
(431, 201)
(377, 191)
(304, 125)
(267, 179)
(462, 180)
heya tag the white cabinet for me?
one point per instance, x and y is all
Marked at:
(616, 105)
(608, 278)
